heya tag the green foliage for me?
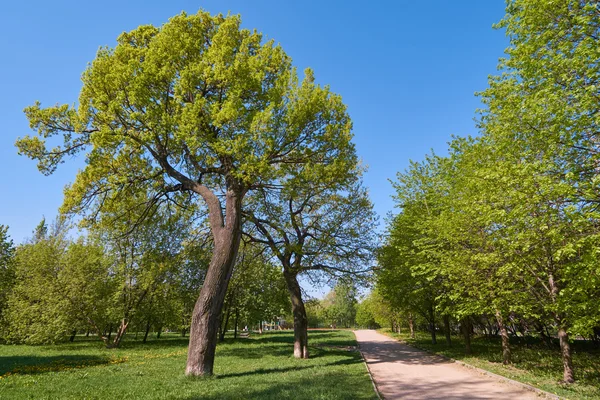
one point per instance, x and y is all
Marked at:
(7, 270)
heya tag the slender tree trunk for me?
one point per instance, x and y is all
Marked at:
(183, 332)
(224, 325)
(147, 331)
(72, 338)
(565, 350)
(411, 325)
(467, 328)
(432, 325)
(235, 328)
(109, 332)
(260, 327)
(299, 312)
(207, 310)
(506, 354)
(87, 333)
(120, 333)
(158, 332)
(447, 330)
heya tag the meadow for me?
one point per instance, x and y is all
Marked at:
(257, 367)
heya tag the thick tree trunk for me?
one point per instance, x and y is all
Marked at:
(506, 354)
(467, 328)
(299, 312)
(565, 350)
(432, 325)
(207, 311)
(147, 331)
(447, 330)
(411, 325)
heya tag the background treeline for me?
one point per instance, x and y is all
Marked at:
(105, 284)
(501, 235)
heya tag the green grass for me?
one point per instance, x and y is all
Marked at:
(260, 367)
(533, 362)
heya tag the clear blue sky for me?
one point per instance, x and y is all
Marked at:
(407, 70)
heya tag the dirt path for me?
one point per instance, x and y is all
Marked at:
(403, 372)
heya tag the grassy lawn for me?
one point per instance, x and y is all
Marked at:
(533, 363)
(260, 367)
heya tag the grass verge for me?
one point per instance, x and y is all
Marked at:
(259, 367)
(533, 362)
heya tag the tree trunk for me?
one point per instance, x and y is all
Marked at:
(183, 332)
(109, 332)
(565, 350)
(260, 327)
(411, 325)
(224, 325)
(466, 328)
(119, 334)
(432, 325)
(158, 332)
(235, 327)
(447, 330)
(299, 312)
(506, 355)
(87, 333)
(72, 338)
(147, 331)
(207, 310)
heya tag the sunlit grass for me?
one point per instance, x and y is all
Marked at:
(260, 367)
(533, 362)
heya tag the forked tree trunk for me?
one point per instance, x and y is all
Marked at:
(411, 325)
(506, 354)
(118, 335)
(299, 312)
(207, 311)
(447, 330)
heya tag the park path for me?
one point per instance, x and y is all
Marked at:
(403, 372)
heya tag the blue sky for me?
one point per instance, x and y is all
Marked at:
(407, 70)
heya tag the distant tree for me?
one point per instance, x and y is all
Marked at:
(7, 270)
(197, 107)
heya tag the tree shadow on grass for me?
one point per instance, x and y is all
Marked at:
(30, 365)
(263, 371)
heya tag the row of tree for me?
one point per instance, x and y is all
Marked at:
(505, 228)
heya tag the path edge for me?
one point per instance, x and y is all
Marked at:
(377, 392)
(482, 371)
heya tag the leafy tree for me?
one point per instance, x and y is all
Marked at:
(322, 228)
(200, 108)
(7, 272)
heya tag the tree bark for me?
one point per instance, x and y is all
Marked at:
(235, 327)
(411, 325)
(299, 312)
(207, 310)
(72, 338)
(447, 330)
(147, 331)
(109, 332)
(466, 328)
(506, 354)
(224, 325)
(432, 325)
(565, 350)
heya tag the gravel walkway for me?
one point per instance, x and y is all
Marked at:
(403, 372)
